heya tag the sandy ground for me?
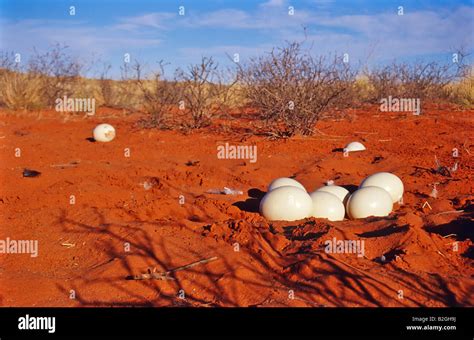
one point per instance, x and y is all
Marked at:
(136, 203)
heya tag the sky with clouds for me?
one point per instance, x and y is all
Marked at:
(151, 30)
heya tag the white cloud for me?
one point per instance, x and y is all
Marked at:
(225, 18)
(273, 3)
(154, 20)
(416, 33)
(383, 35)
(263, 18)
(23, 35)
(225, 51)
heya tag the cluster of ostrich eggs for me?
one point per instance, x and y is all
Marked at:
(288, 200)
(104, 133)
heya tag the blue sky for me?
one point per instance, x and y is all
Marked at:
(151, 30)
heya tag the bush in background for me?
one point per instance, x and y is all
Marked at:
(19, 90)
(423, 80)
(204, 91)
(293, 90)
(39, 82)
(290, 89)
(462, 92)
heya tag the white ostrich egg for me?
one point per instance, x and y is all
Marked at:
(327, 205)
(340, 192)
(284, 182)
(387, 181)
(354, 146)
(104, 133)
(287, 203)
(369, 201)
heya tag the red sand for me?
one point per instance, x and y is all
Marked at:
(81, 246)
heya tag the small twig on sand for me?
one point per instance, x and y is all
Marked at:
(442, 254)
(464, 146)
(366, 133)
(450, 212)
(71, 164)
(165, 275)
(445, 236)
(422, 168)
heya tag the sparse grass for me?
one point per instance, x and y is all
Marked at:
(20, 91)
(462, 92)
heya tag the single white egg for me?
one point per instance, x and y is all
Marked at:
(327, 205)
(369, 201)
(340, 192)
(354, 146)
(286, 203)
(284, 182)
(104, 133)
(385, 180)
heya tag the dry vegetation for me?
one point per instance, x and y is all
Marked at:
(156, 94)
(203, 91)
(461, 92)
(292, 90)
(40, 81)
(289, 87)
(423, 80)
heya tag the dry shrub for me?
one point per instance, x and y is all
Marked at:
(120, 94)
(205, 92)
(43, 79)
(423, 80)
(19, 90)
(363, 90)
(126, 93)
(293, 90)
(462, 92)
(157, 96)
(106, 87)
(58, 72)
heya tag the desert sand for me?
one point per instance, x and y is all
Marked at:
(155, 204)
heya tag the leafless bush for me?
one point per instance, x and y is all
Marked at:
(57, 70)
(106, 86)
(423, 80)
(158, 96)
(40, 81)
(293, 90)
(205, 92)
(7, 61)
